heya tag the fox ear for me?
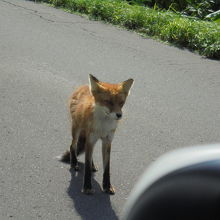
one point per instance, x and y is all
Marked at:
(126, 85)
(94, 83)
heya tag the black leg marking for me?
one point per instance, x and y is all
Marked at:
(107, 187)
(87, 187)
(106, 150)
(106, 177)
(73, 158)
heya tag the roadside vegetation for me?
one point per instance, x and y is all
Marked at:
(175, 27)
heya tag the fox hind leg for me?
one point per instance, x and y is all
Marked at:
(81, 144)
(73, 149)
(73, 156)
(76, 150)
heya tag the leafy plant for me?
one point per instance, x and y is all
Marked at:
(199, 8)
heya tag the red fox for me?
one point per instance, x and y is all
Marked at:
(95, 111)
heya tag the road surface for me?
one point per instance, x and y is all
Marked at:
(44, 54)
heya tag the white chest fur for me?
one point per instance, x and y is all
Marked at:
(103, 125)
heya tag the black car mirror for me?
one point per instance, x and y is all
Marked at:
(181, 185)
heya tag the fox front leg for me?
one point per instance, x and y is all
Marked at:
(73, 149)
(87, 185)
(106, 150)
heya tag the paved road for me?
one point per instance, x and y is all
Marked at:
(44, 54)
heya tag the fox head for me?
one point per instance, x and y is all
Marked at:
(110, 98)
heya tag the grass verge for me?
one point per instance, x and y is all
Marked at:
(197, 35)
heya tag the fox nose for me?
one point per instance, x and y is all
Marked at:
(119, 115)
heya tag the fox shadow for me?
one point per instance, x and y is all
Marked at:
(89, 207)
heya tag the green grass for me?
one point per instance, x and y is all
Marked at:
(197, 35)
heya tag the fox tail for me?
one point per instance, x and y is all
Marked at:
(65, 158)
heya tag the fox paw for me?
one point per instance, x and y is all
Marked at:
(75, 167)
(88, 191)
(109, 190)
(94, 168)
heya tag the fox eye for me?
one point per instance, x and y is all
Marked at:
(108, 102)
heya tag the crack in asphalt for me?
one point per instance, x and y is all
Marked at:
(38, 14)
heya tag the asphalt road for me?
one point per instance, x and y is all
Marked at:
(44, 54)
